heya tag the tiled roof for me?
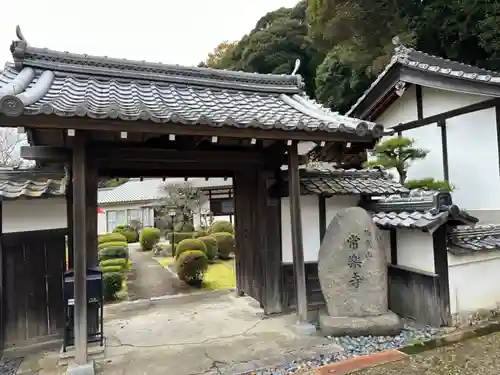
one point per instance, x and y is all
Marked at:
(31, 184)
(150, 189)
(421, 210)
(329, 182)
(439, 66)
(47, 82)
(468, 240)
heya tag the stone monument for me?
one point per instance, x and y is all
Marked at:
(352, 271)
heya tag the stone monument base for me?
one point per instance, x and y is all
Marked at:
(378, 325)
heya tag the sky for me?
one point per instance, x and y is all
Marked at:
(171, 31)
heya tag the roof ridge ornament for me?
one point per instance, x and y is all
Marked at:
(20, 35)
(18, 48)
(399, 48)
(296, 68)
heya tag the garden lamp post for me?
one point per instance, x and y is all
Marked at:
(172, 214)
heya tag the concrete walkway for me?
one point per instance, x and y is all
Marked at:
(211, 333)
(149, 279)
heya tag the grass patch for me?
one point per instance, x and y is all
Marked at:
(220, 275)
(165, 261)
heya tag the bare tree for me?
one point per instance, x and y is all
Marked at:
(10, 142)
(185, 197)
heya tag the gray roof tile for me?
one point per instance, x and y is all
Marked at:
(469, 240)
(47, 82)
(31, 184)
(420, 210)
(422, 61)
(329, 182)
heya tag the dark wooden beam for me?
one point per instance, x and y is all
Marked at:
(91, 207)
(122, 171)
(69, 215)
(296, 229)
(439, 239)
(322, 216)
(394, 246)
(444, 148)
(420, 103)
(448, 114)
(497, 116)
(55, 122)
(80, 248)
(45, 153)
(2, 292)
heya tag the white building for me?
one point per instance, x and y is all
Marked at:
(459, 123)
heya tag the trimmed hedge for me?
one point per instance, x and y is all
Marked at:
(190, 244)
(128, 232)
(116, 252)
(211, 247)
(222, 227)
(108, 269)
(121, 262)
(225, 244)
(111, 237)
(105, 245)
(183, 227)
(179, 236)
(112, 284)
(200, 233)
(191, 267)
(148, 238)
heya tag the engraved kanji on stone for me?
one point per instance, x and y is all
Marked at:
(353, 241)
(369, 254)
(356, 280)
(354, 261)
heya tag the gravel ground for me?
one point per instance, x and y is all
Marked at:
(9, 366)
(356, 346)
(471, 357)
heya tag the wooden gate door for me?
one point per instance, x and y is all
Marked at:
(33, 263)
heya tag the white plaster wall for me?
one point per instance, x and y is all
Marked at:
(101, 218)
(415, 249)
(310, 223)
(205, 206)
(471, 137)
(474, 281)
(34, 214)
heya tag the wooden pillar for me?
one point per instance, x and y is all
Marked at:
(91, 205)
(79, 246)
(296, 229)
(69, 216)
(439, 238)
(2, 292)
(322, 216)
(444, 149)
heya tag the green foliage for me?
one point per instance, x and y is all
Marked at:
(113, 252)
(148, 238)
(120, 262)
(222, 227)
(111, 237)
(179, 236)
(107, 269)
(112, 284)
(429, 184)
(398, 153)
(225, 244)
(189, 244)
(211, 247)
(200, 233)
(128, 232)
(184, 227)
(105, 245)
(191, 267)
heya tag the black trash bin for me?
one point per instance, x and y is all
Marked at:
(95, 307)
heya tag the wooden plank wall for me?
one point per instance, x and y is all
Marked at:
(258, 239)
(33, 306)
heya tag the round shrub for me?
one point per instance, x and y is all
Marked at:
(112, 284)
(111, 237)
(200, 233)
(225, 244)
(222, 227)
(128, 232)
(189, 244)
(211, 246)
(105, 245)
(183, 227)
(109, 269)
(117, 252)
(179, 236)
(120, 262)
(148, 238)
(191, 267)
